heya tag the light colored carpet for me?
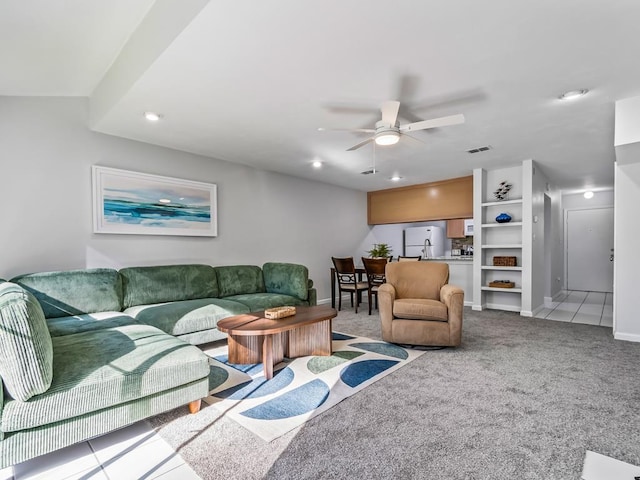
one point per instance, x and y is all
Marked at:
(521, 398)
(301, 388)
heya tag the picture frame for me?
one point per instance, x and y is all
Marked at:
(134, 203)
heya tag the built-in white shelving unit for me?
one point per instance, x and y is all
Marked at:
(494, 239)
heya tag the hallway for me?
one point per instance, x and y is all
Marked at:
(592, 308)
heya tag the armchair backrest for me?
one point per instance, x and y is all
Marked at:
(417, 279)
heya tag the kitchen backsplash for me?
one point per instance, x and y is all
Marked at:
(461, 243)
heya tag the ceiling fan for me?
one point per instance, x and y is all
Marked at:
(388, 130)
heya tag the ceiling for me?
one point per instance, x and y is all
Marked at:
(252, 81)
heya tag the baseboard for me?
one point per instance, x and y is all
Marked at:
(536, 311)
(629, 337)
(347, 298)
(558, 297)
(498, 306)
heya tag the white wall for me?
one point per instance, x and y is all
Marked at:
(46, 217)
(574, 201)
(626, 324)
(555, 242)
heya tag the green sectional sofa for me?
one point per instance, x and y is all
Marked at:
(89, 351)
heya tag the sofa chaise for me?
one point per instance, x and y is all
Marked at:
(89, 351)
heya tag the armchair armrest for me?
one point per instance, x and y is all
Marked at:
(386, 297)
(453, 297)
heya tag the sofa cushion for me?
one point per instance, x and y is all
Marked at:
(91, 321)
(26, 361)
(75, 292)
(239, 279)
(287, 278)
(260, 301)
(188, 316)
(168, 283)
(420, 309)
(102, 368)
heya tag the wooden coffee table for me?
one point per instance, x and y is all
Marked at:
(255, 339)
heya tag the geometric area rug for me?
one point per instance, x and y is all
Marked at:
(301, 388)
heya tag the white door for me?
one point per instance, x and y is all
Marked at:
(589, 250)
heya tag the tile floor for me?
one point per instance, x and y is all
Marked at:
(135, 452)
(592, 308)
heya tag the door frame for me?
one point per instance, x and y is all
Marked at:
(566, 238)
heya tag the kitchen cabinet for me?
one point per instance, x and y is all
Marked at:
(444, 200)
(455, 228)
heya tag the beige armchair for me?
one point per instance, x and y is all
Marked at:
(418, 306)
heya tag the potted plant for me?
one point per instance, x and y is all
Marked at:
(380, 250)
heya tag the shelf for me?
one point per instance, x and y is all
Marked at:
(506, 224)
(494, 267)
(503, 202)
(506, 245)
(507, 290)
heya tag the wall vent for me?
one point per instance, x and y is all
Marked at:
(479, 149)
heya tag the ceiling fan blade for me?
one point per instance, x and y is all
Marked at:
(412, 138)
(361, 144)
(358, 130)
(350, 108)
(433, 123)
(390, 112)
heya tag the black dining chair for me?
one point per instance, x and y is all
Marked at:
(374, 268)
(347, 280)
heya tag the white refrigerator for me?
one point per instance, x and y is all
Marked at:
(427, 242)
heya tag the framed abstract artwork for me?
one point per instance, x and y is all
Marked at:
(127, 202)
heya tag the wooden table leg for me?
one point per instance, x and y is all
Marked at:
(333, 288)
(267, 357)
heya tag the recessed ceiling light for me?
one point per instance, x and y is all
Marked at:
(317, 164)
(164, 200)
(395, 178)
(573, 94)
(588, 195)
(152, 116)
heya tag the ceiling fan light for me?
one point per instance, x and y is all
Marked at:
(387, 138)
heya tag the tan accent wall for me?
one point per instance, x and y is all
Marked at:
(444, 200)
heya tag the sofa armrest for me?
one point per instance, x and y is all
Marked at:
(287, 279)
(453, 297)
(312, 297)
(386, 297)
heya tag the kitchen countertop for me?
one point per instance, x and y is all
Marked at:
(461, 258)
